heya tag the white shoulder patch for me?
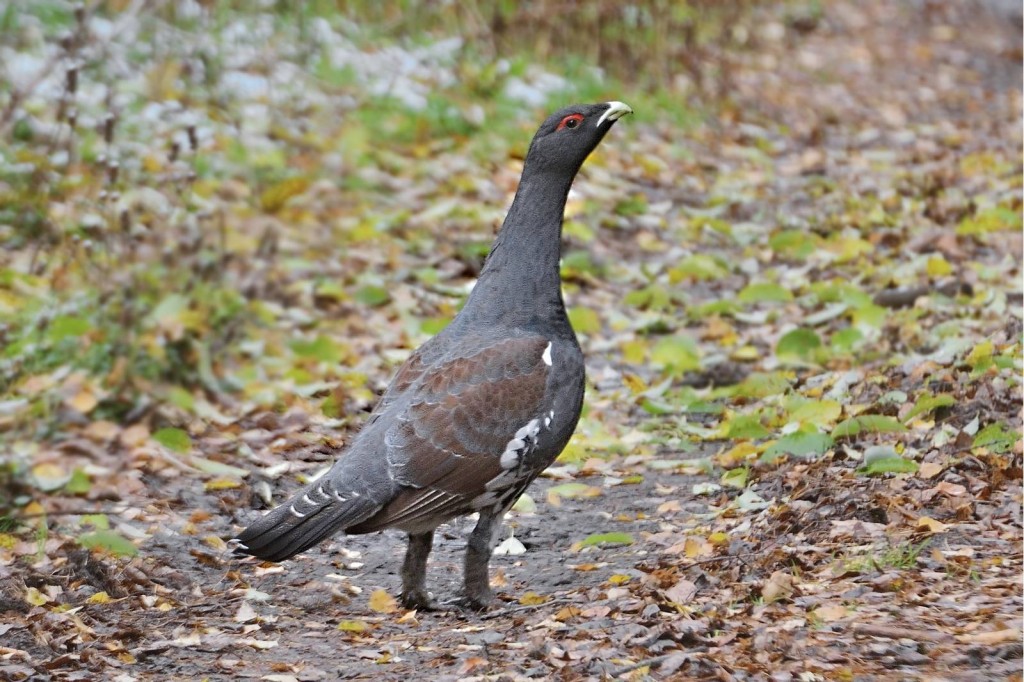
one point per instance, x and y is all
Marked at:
(547, 355)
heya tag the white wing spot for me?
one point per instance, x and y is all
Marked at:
(510, 459)
(295, 512)
(528, 431)
(547, 355)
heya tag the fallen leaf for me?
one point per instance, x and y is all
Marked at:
(382, 602)
(989, 638)
(358, 625)
(930, 525)
(532, 599)
(780, 585)
(830, 612)
(245, 613)
(682, 592)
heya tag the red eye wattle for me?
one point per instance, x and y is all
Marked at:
(570, 121)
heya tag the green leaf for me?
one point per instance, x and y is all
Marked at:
(793, 243)
(867, 423)
(817, 412)
(79, 483)
(372, 295)
(698, 267)
(605, 539)
(67, 327)
(845, 340)
(798, 444)
(799, 344)
(677, 354)
(181, 398)
(996, 438)
(888, 465)
(927, 403)
(991, 220)
(633, 206)
(108, 541)
(97, 521)
(745, 427)
(321, 348)
(584, 320)
(216, 468)
(736, 478)
(171, 309)
(173, 439)
(765, 292)
(762, 385)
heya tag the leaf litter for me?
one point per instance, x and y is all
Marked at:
(801, 456)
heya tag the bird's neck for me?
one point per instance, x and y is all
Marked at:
(520, 280)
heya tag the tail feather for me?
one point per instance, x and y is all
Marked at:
(307, 519)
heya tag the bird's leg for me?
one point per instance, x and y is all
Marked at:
(414, 571)
(478, 556)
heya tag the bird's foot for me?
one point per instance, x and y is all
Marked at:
(473, 602)
(419, 600)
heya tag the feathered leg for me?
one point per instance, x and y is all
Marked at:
(414, 571)
(478, 557)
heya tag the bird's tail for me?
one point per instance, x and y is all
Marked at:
(308, 518)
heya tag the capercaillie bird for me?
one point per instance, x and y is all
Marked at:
(478, 411)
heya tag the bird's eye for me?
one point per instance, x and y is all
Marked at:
(570, 121)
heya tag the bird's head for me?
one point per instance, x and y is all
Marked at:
(567, 137)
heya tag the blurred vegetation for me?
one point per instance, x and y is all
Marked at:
(139, 277)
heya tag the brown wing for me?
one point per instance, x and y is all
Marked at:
(447, 445)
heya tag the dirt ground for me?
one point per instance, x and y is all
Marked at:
(819, 574)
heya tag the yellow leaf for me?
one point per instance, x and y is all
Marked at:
(634, 383)
(736, 455)
(718, 538)
(930, 525)
(566, 613)
(276, 196)
(222, 484)
(938, 267)
(99, 598)
(50, 476)
(354, 625)
(83, 401)
(532, 599)
(697, 547)
(619, 579)
(746, 353)
(7, 541)
(382, 602)
(634, 352)
(215, 542)
(35, 597)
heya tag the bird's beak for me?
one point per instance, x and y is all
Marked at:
(616, 110)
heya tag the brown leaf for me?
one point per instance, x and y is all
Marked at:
(682, 592)
(780, 585)
(989, 638)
